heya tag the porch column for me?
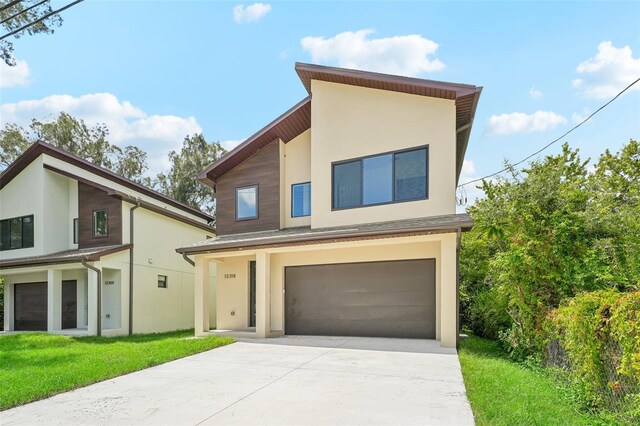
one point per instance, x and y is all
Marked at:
(448, 290)
(92, 302)
(54, 300)
(201, 294)
(263, 292)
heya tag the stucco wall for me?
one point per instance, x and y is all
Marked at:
(350, 122)
(21, 197)
(233, 293)
(57, 220)
(297, 169)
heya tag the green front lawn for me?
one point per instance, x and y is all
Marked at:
(35, 365)
(503, 392)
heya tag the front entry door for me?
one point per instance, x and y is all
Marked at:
(252, 293)
(69, 304)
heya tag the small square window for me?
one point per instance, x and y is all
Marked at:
(100, 223)
(247, 202)
(162, 281)
(301, 199)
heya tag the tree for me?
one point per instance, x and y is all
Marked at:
(74, 136)
(16, 16)
(545, 234)
(180, 184)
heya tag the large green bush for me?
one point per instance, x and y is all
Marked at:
(599, 334)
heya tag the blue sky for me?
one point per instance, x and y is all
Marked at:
(154, 71)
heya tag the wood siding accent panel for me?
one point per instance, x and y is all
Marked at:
(262, 169)
(90, 199)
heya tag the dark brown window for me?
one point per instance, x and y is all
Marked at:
(100, 223)
(16, 233)
(381, 179)
(162, 281)
(247, 202)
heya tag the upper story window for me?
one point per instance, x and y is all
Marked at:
(381, 179)
(100, 223)
(76, 231)
(16, 233)
(301, 199)
(247, 202)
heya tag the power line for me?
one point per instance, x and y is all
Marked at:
(23, 11)
(10, 4)
(553, 141)
(24, 27)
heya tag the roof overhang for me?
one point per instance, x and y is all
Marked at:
(306, 236)
(298, 119)
(69, 256)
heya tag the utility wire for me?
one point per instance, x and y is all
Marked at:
(23, 11)
(10, 4)
(24, 27)
(553, 141)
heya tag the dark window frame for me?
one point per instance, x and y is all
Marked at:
(257, 216)
(163, 283)
(76, 230)
(22, 239)
(93, 223)
(297, 184)
(393, 178)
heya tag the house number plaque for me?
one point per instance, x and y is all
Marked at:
(229, 275)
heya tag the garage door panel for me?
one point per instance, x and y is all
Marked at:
(30, 307)
(387, 299)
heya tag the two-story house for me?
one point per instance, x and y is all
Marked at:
(85, 251)
(339, 217)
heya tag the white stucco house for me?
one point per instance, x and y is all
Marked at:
(339, 217)
(85, 251)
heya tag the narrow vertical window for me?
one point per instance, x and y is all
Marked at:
(347, 185)
(247, 202)
(100, 223)
(377, 179)
(301, 199)
(27, 231)
(75, 231)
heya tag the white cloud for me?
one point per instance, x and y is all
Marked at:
(468, 168)
(17, 75)
(535, 93)
(409, 55)
(252, 13)
(579, 117)
(519, 122)
(608, 72)
(231, 143)
(155, 134)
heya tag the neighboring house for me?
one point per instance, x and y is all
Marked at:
(339, 217)
(69, 228)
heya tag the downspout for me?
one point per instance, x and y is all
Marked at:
(189, 261)
(131, 265)
(458, 240)
(99, 291)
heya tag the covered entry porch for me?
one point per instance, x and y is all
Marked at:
(385, 286)
(73, 296)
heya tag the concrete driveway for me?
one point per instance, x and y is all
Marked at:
(291, 380)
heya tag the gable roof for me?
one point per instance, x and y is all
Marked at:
(40, 147)
(298, 119)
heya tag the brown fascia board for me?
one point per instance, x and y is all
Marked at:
(251, 146)
(41, 147)
(51, 260)
(133, 200)
(324, 239)
(462, 147)
(396, 83)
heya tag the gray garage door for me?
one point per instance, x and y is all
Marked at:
(30, 306)
(380, 299)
